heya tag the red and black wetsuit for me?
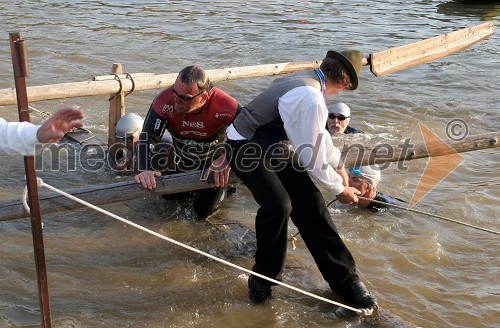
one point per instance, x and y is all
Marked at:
(195, 136)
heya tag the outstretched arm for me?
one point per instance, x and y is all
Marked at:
(59, 124)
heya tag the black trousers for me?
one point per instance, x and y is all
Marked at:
(283, 192)
(206, 201)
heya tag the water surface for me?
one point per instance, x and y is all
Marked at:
(425, 272)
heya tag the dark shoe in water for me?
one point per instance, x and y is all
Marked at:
(258, 291)
(358, 296)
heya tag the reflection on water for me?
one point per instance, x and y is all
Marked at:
(425, 272)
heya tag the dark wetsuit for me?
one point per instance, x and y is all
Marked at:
(196, 139)
(377, 207)
(350, 130)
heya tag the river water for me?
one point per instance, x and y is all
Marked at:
(424, 271)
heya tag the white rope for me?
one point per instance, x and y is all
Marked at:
(363, 312)
(25, 200)
(433, 215)
(39, 183)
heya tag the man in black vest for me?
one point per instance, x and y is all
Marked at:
(293, 109)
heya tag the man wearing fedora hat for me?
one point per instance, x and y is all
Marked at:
(293, 109)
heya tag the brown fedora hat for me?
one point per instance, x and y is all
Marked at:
(351, 59)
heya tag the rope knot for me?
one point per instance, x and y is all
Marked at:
(293, 239)
(39, 183)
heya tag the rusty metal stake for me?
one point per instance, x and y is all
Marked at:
(21, 70)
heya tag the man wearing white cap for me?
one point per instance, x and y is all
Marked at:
(365, 179)
(339, 118)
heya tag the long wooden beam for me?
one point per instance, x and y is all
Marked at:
(124, 191)
(386, 153)
(382, 62)
(141, 81)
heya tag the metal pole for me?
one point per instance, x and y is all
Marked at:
(21, 70)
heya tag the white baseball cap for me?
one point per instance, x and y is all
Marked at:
(370, 174)
(340, 108)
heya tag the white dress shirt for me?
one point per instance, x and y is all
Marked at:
(18, 138)
(304, 114)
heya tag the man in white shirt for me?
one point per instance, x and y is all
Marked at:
(294, 109)
(21, 137)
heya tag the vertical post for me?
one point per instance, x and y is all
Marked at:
(21, 70)
(116, 111)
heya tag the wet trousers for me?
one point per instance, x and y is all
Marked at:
(284, 192)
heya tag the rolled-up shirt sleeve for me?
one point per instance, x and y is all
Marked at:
(18, 138)
(304, 119)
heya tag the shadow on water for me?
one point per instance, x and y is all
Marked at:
(486, 9)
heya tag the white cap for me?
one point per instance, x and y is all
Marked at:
(340, 108)
(129, 123)
(370, 174)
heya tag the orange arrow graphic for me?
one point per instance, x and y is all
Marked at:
(438, 167)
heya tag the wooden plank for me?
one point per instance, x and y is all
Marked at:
(85, 137)
(116, 111)
(105, 194)
(124, 191)
(399, 58)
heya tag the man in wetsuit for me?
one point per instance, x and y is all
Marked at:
(366, 179)
(293, 109)
(196, 115)
(339, 116)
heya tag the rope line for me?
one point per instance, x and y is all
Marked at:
(362, 312)
(293, 237)
(44, 114)
(47, 114)
(433, 215)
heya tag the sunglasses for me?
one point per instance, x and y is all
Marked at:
(184, 97)
(332, 116)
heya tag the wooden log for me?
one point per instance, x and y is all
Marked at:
(357, 155)
(124, 191)
(399, 58)
(105, 194)
(116, 111)
(103, 85)
(383, 62)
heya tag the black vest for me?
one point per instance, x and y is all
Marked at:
(260, 121)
